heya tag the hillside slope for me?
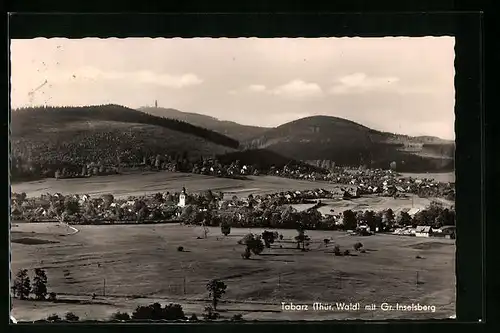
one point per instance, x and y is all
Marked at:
(104, 134)
(229, 128)
(24, 120)
(348, 143)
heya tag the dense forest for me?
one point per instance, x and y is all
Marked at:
(25, 119)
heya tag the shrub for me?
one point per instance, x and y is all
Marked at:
(52, 296)
(156, 312)
(357, 246)
(336, 250)
(173, 312)
(237, 317)
(326, 241)
(269, 238)
(193, 317)
(253, 243)
(210, 314)
(53, 317)
(256, 245)
(70, 316)
(180, 248)
(246, 239)
(122, 316)
(347, 252)
(247, 254)
(363, 251)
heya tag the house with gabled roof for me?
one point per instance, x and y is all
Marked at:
(423, 231)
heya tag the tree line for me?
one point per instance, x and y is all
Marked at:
(169, 312)
(22, 286)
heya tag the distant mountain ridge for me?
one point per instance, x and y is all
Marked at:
(348, 143)
(109, 130)
(340, 140)
(229, 128)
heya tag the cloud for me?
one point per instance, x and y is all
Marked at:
(141, 77)
(257, 87)
(298, 89)
(253, 88)
(360, 82)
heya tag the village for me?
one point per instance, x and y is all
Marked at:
(379, 181)
(316, 208)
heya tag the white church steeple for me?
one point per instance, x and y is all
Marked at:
(182, 198)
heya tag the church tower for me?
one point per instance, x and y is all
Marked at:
(182, 198)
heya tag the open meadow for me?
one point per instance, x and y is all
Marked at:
(437, 176)
(375, 203)
(136, 184)
(126, 266)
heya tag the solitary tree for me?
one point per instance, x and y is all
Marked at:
(39, 287)
(22, 285)
(302, 238)
(216, 289)
(255, 244)
(350, 222)
(268, 237)
(225, 228)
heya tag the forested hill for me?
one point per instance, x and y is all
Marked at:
(348, 143)
(26, 120)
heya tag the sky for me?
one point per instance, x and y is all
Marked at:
(402, 85)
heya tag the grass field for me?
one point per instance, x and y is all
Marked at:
(140, 264)
(440, 176)
(152, 182)
(376, 203)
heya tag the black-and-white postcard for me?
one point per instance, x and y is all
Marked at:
(210, 179)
